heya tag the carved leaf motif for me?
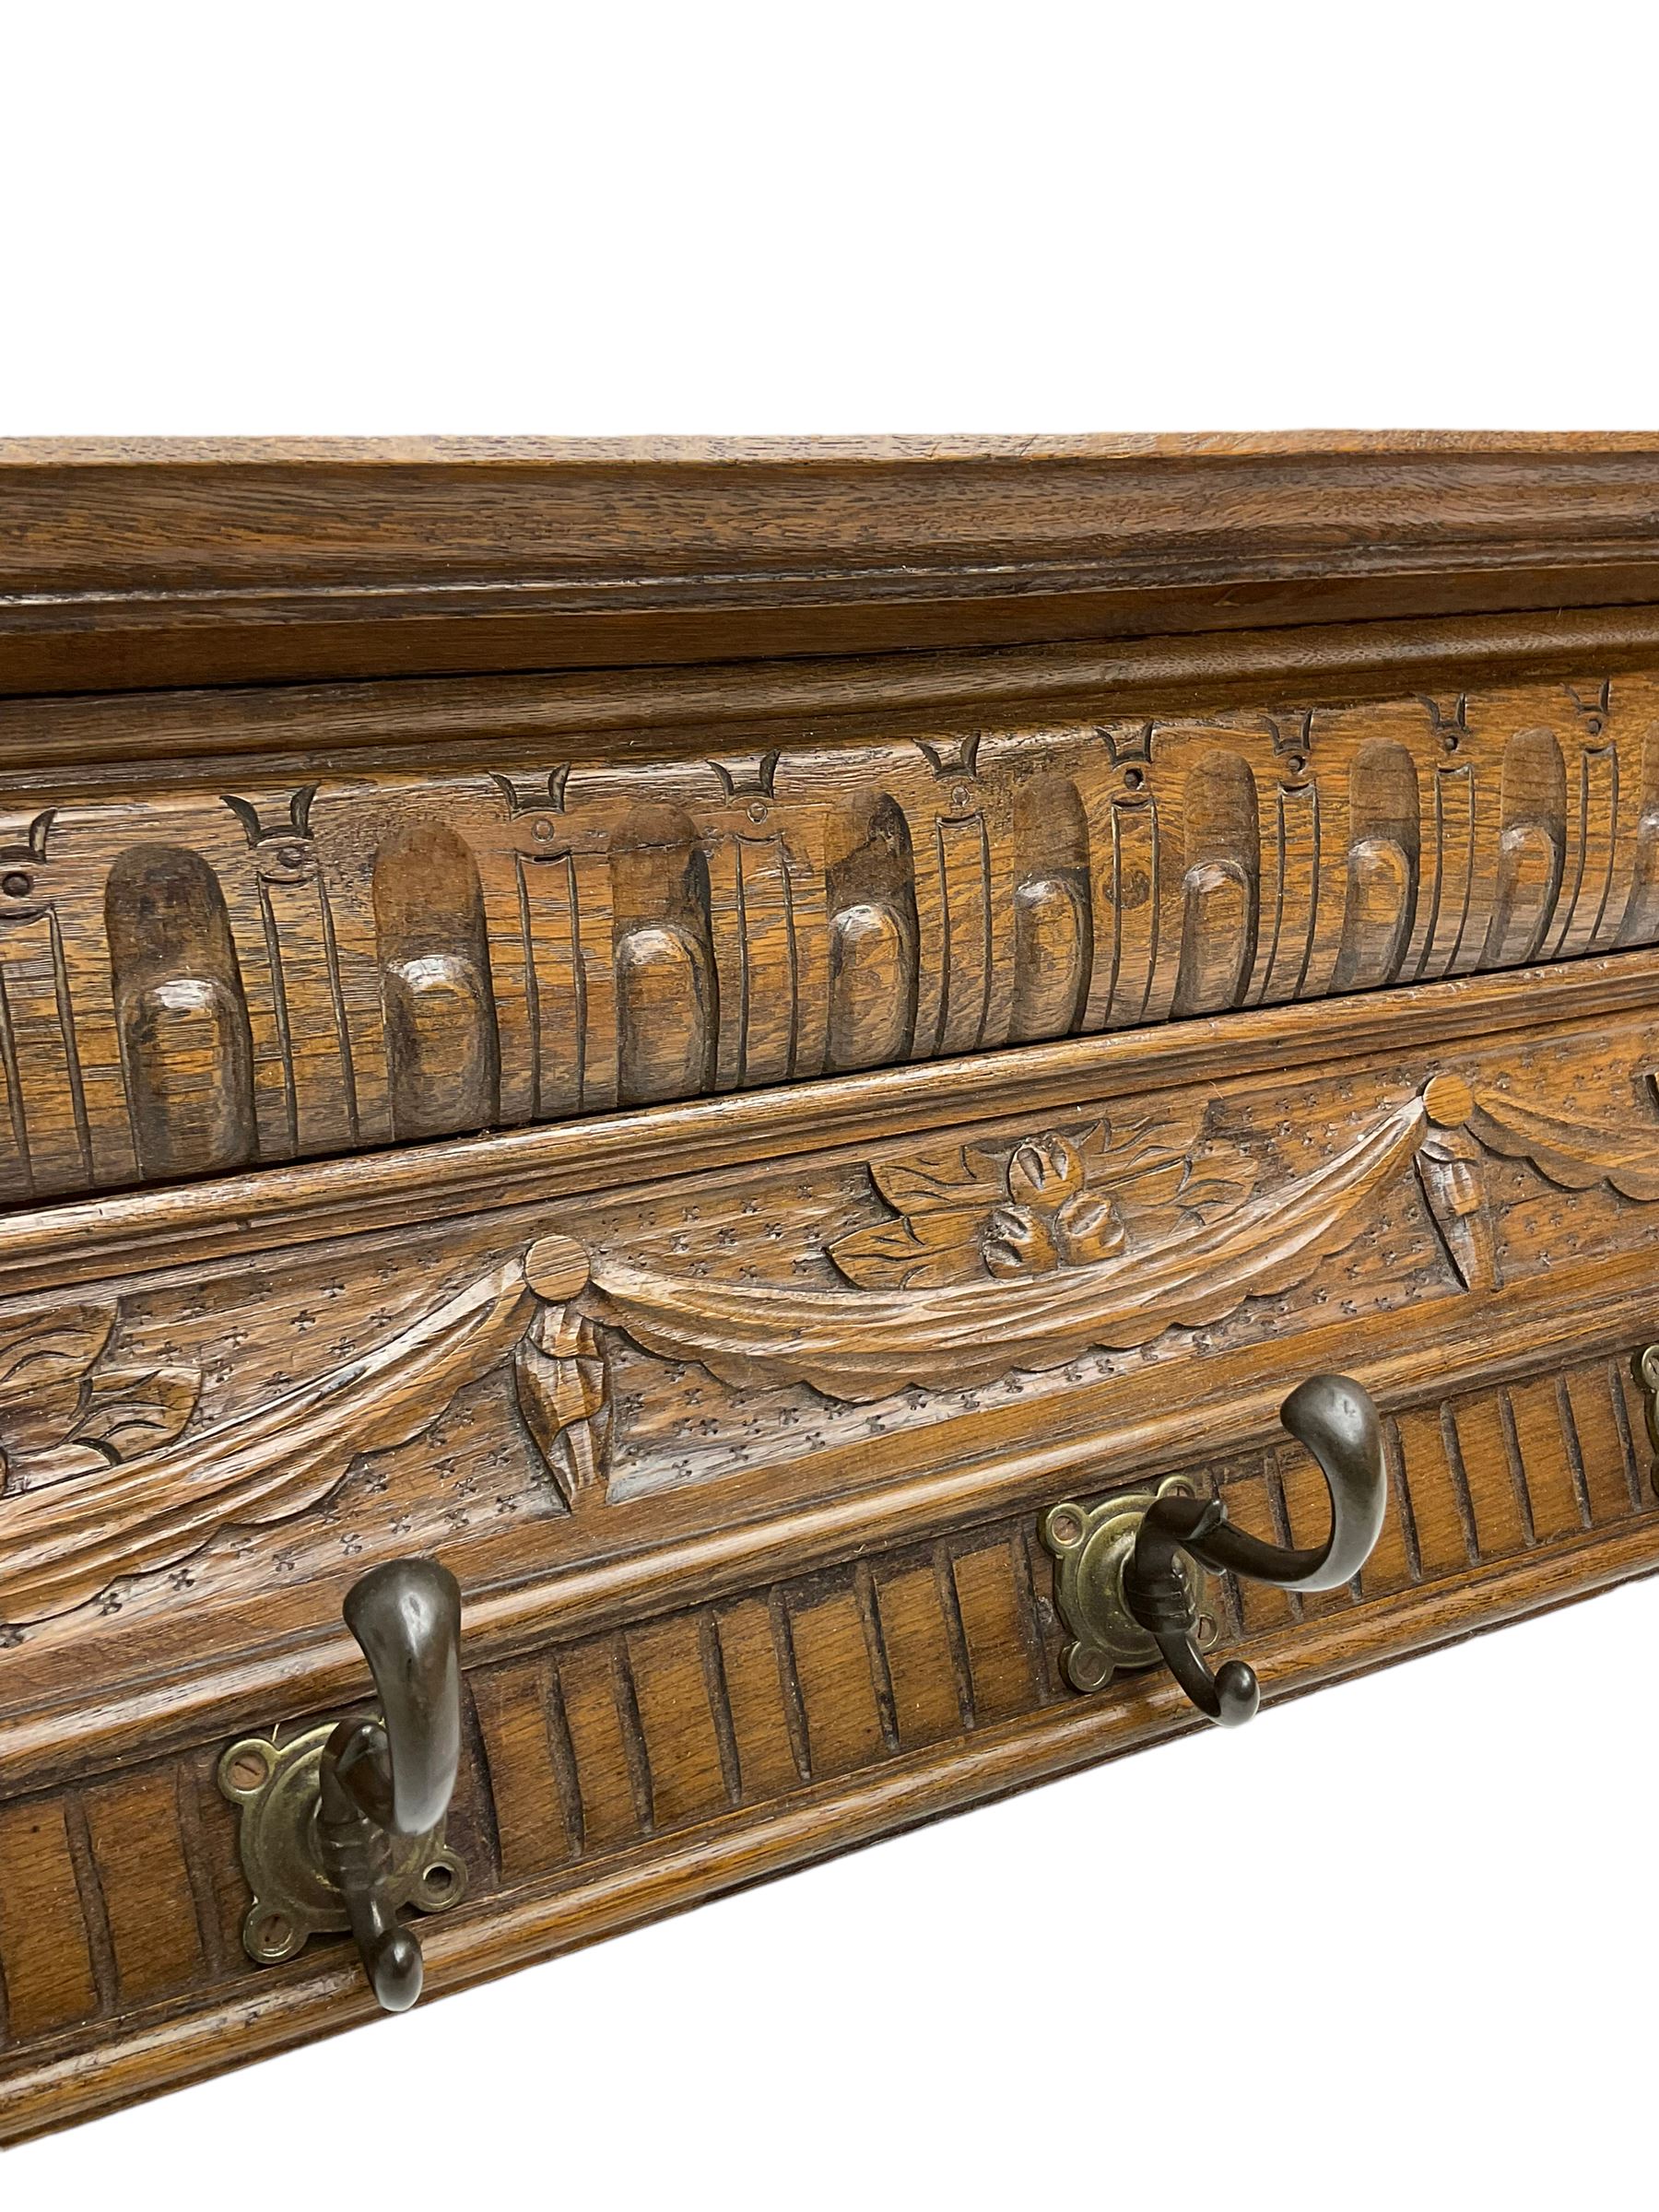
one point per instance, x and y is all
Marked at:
(135, 1409)
(1045, 1171)
(1087, 1229)
(1134, 1151)
(63, 1411)
(1217, 1177)
(959, 1180)
(125, 1412)
(918, 1252)
(1031, 1240)
(1202, 1198)
(563, 1384)
(1021, 1243)
(38, 1352)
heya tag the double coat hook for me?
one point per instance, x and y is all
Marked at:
(1130, 1584)
(343, 1823)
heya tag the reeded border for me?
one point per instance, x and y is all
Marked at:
(77, 2077)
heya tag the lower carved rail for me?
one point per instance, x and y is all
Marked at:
(615, 1776)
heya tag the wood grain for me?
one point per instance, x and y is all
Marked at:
(774, 1358)
(138, 1845)
(906, 980)
(957, 1734)
(63, 1244)
(201, 980)
(46, 1923)
(146, 563)
(152, 741)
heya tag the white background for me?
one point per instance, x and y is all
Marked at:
(1395, 1946)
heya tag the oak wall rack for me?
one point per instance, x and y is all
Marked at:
(721, 1087)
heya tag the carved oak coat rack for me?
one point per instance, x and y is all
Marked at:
(672, 1119)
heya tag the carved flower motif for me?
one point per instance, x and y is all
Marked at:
(1052, 1222)
(1053, 1201)
(1046, 1172)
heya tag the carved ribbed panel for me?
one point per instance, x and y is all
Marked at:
(192, 983)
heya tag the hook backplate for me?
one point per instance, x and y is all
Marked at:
(1092, 1545)
(276, 1786)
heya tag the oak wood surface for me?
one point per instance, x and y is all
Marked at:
(117, 2052)
(254, 966)
(69, 1242)
(163, 563)
(584, 1396)
(714, 1152)
(148, 741)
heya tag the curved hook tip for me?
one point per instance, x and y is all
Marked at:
(1238, 1694)
(398, 1971)
(1333, 1416)
(1334, 1410)
(419, 1598)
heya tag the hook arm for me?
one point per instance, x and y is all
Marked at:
(359, 1852)
(1337, 1422)
(407, 1617)
(394, 1777)
(1160, 1599)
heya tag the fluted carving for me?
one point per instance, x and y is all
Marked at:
(191, 983)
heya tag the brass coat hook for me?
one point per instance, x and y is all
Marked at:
(343, 1824)
(1130, 1582)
